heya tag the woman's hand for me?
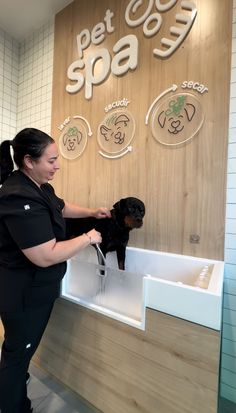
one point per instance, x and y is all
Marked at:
(53, 252)
(94, 237)
(101, 212)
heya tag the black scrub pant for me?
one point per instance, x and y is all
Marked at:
(23, 332)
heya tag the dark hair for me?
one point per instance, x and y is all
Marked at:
(6, 163)
(30, 142)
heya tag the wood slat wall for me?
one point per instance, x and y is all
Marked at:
(171, 367)
(183, 188)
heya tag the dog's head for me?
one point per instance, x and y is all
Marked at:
(117, 132)
(175, 122)
(131, 210)
(72, 138)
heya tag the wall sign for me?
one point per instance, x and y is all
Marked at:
(177, 118)
(124, 55)
(74, 136)
(115, 133)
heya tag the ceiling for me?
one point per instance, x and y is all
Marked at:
(20, 18)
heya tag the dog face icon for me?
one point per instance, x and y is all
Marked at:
(116, 131)
(177, 120)
(72, 138)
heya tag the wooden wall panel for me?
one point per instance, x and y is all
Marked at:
(183, 187)
(171, 367)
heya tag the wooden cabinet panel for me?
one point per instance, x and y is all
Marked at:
(171, 367)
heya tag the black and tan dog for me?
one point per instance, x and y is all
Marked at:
(126, 215)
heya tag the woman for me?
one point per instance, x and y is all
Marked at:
(33, 254)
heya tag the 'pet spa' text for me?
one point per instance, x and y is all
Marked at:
(125, 50)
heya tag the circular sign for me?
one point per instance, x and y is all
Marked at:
(177, 119)
(73, 139)
(116, 131)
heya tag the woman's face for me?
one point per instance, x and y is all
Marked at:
(43, 169)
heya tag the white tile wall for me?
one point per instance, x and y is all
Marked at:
(228, 359)
(35, 80)
(9, 63)
(25, 100)
(26, 81)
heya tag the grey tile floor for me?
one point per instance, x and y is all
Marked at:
(50, 396)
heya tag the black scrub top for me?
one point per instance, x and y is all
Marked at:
(29, 216)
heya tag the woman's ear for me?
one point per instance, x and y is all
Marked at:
(28, 162)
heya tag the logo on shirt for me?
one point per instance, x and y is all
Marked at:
(26, 207)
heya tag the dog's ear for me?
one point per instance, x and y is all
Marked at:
(122, 119)
(105, 132)
(190, 111)
(65, 137)
(116, 205)
(162, 119)
(79, 137)
(120, 205)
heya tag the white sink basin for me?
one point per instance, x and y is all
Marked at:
(158, 280)
(170, 287)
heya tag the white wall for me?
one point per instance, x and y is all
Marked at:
(228, 361)
(25, 100)
(35, 80)
(9, 64)
(26, 82)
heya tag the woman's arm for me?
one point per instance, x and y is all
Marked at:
(53, 252)
(76, 211)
